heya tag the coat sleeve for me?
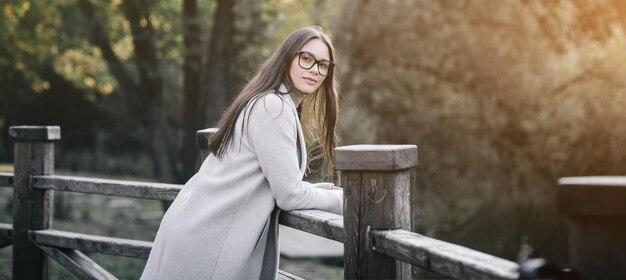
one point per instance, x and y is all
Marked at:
(273, 137)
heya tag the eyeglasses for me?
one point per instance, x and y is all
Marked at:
(306, 60)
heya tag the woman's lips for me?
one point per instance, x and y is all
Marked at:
(310, 81)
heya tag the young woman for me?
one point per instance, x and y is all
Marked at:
(223, 224)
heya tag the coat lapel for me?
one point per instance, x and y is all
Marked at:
(272, 251)
(300, 140)
(301, 145)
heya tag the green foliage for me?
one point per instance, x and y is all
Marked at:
(500, 103)
(49, 63)
(502, 97)
(23, 48)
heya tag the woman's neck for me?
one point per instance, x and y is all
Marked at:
(296, 97)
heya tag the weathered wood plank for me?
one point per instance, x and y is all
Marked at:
(594, 181)
(375, 157)
(77, 263)
(202, 137)
(282, 275)
(594, 196)
(32, 209)
(106, 245)
(316, 222)
(6, 179)
(596, 214)
(92, 243)
(376, 180)
(6, 231)
(202, 142)
(377, 211)
(442, 257)
(107, 187)
(351, 182)
(27, 133)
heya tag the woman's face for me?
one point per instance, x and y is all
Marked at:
(313, 52)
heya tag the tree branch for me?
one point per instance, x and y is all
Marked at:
(99, 38)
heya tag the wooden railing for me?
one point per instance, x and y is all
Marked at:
(375, 227)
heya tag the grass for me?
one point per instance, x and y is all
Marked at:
(6, 167)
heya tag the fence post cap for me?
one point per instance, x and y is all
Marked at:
(32, 133)
(375, 157)
(592, 196)
(202, 137)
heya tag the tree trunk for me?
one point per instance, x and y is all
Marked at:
(150, 87)
(193, 116)
(317, 10)
(143, 98)
(217, 65)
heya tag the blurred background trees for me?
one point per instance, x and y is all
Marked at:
(501, 97)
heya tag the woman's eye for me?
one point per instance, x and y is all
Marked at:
(324, 65)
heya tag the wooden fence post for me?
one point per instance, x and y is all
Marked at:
(202, 142)
(596, 211)
(376, 181)
(32, 209)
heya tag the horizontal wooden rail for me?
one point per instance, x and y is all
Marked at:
(107, 187)
(312, 221)
(100, 244)
(442, 257)
(92, 243)
(6, 179)
(594, 181)
(77, 263)
(6, 235)
(316, 222)
(286, 276)
(367, 170)
(6, 231)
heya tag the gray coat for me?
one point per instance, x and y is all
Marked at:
(223, 223)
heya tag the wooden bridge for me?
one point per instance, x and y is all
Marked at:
(377, 180)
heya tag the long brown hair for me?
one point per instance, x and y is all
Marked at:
(324, 107)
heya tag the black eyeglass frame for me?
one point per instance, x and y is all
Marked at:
(330, 66)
